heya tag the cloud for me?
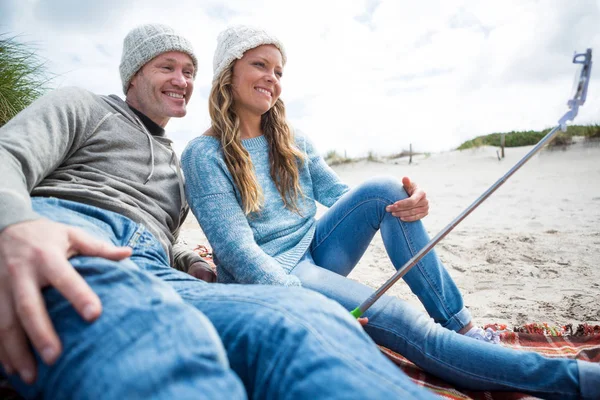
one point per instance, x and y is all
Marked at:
(8, 11)
(464, 19)
(297, 108)
(80, 16)
(221, 12)
(367, 17)
(362, 74)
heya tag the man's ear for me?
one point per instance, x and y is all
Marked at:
(134, 78)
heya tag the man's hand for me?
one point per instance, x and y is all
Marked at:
(203, 271)
(34, 255)
(415, 207)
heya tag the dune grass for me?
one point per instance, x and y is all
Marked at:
(334, 158)
(23, 76)
(592, 131)
(512, 139)
(528, 138)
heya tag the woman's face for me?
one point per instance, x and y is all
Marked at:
(256, 80)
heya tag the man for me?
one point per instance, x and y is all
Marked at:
(92, 202)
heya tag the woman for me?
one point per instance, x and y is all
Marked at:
(252, 183)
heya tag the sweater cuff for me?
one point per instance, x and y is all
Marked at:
(184, 258)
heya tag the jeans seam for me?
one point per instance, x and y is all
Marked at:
(428, 278)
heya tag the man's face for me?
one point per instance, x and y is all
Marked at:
(162, 88)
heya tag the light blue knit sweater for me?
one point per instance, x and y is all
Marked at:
(263, 247)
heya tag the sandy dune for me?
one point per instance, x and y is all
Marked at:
(530, 253)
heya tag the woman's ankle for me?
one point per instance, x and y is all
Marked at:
(467, 328)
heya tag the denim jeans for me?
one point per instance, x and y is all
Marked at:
(343, 234)
(164, 334)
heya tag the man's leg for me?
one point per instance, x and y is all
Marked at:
(293, 343)
(147, 343)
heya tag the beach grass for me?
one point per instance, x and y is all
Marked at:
(512, 139)
(592, 131)
(529, 138)
(334, 158)
(23, 76)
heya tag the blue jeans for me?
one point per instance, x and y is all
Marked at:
(343, 234)
(164, 334)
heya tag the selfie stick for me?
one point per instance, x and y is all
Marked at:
(579, 96)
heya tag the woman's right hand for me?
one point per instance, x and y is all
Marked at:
(415, 207)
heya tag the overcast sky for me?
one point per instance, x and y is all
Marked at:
(362, 75)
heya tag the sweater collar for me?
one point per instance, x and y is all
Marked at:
(255, 143)
(153, 127)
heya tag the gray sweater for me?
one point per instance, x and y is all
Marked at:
(74, 145)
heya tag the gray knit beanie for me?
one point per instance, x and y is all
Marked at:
(144, 43)
(234, 41)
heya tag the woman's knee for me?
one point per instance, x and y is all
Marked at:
(388, 188)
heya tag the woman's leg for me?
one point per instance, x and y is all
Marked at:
(464, 362)
(345, 231)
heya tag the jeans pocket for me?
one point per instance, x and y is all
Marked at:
(135, 237)
(146, 246)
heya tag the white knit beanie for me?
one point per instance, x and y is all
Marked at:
(234, 41)
(144, 43)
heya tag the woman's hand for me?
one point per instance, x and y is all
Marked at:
(415, 207)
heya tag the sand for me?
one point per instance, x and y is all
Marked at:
(530, 253)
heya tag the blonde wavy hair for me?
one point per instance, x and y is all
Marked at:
(284, 157)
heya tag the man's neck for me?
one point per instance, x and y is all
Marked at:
(153, 127)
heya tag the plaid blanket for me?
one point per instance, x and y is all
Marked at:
(582, 343)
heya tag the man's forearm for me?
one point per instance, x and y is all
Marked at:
(184, 257)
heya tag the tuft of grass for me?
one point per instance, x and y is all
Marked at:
(561, 139)
(23, 76)
(333, 158)
(592, 132)
(372, 156)
(528, 138)
(403, 153)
